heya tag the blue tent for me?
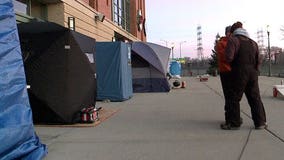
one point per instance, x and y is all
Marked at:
(114, 76)
(175, 68)
(17, 136)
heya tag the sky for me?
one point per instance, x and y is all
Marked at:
(174, 22)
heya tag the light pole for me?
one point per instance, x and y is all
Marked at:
(180, 48)
(269, 53)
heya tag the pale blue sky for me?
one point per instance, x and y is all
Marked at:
(176, 21)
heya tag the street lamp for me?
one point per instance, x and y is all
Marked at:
(180, 48)
(269, 53)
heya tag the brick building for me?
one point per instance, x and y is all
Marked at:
(104, 20)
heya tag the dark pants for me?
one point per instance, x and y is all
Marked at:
(245, 80)
(226, 81)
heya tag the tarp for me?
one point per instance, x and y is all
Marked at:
(149, 67)
(114, 75)
(17, 135)
(60, 69)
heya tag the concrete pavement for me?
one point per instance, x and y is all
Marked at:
(180, 125)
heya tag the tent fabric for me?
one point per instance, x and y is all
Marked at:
(59, 71)
(114, 75)
(149, 67)
(156, 55)
(17, 134)
(175, 68)
(149, 79)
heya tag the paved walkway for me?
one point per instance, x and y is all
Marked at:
(180, 125)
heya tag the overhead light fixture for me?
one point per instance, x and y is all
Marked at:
(100, 17)
(71, 23)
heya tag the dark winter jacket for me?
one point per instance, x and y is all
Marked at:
(233, 46)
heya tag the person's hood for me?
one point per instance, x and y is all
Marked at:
(241, 31)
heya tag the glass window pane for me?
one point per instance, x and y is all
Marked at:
(121, 17)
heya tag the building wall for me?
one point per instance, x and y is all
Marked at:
(84, 12)
(135, 7)
(85, 22)
(55, 14)
(105, 7)
(143, 32)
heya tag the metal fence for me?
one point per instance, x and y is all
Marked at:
(194, 68)
(277, 69)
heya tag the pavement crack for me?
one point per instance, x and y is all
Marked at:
(274, 134)
(268, 130)
(215, 91)
(245, 145)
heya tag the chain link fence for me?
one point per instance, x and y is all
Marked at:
(277, 69)
(199, 68)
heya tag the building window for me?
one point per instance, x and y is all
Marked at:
(120, 13)
(34, 8)
(20, 6)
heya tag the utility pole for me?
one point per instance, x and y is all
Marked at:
(199, 47)
(172, 46)
(180, 48)
(199, 43)
(269, 53)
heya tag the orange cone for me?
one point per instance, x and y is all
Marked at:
(183, 84)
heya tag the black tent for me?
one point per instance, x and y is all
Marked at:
(60, 69)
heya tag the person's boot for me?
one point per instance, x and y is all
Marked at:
(229, 126)
(264, 126)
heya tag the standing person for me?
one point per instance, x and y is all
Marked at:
(224, 69)
(243, 54)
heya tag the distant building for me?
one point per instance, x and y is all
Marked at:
(104, 20)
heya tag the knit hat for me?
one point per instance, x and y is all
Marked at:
(228, 29)
(236, 26)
